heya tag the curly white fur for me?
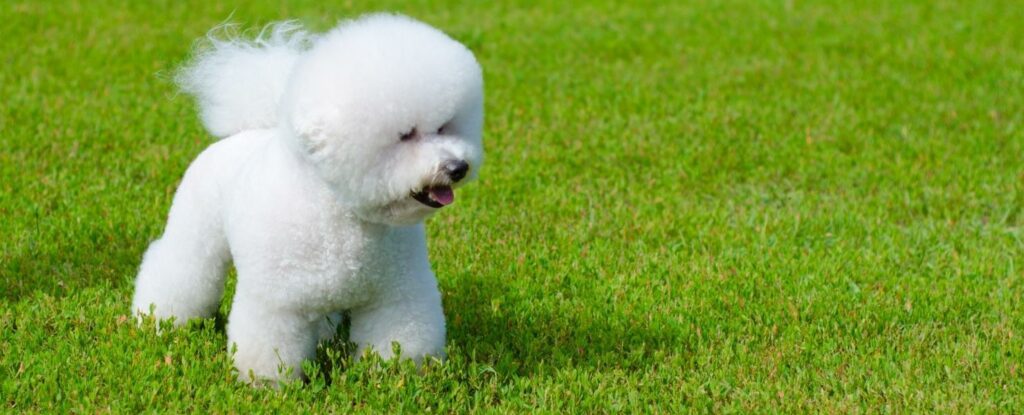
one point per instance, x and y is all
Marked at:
(337, 147)
(239, 83)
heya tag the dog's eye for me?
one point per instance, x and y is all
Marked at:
(409, 135)
(444, 128)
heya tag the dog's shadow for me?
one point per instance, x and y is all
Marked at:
(487, 324)
(513, 334)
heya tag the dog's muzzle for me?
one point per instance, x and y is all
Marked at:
(438, 196)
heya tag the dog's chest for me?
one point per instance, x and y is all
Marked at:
(344, 264)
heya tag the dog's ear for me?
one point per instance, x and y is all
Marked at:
(312, 129)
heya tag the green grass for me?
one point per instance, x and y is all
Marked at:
(687, 206)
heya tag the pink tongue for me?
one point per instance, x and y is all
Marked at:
(442, 195)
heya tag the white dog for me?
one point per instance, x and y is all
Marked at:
(337, 147)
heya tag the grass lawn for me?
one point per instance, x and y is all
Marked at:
(687, 206)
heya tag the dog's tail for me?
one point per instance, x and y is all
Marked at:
(238, 83)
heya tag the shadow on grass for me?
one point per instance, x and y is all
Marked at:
(525, 339)
(528, 341)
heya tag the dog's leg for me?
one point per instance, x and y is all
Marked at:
(182, 273)
(410, 315)
(268, 343)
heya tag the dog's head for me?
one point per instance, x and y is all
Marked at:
(389, 111)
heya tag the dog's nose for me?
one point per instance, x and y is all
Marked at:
(456, 169)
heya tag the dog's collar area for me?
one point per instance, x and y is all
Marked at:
(435, 196)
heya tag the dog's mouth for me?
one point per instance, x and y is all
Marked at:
(435, 196)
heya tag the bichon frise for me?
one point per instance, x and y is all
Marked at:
(336, 148)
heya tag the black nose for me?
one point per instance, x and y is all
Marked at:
(456, 169)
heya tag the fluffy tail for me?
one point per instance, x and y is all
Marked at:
(239, 83)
